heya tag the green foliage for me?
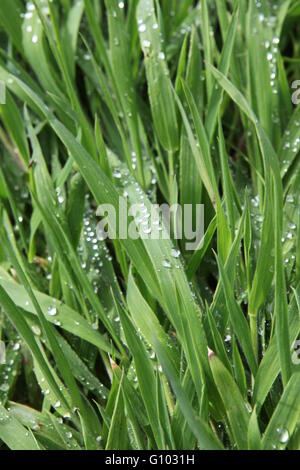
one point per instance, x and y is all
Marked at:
(142, 344)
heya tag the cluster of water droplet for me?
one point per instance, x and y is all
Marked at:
(9, 367)
(271, 20)
(146, 43)
(271, 44)
(32, 19)
(148, 223)
(281, 438)
(291, 147)
(96, 262)
(60, 196)
(272, 49)
(291, 217)
(257, 222)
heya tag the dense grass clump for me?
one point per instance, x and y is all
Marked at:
(122, 343)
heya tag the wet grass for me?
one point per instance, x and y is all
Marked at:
(142, 344)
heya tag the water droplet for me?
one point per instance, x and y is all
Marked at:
(147, 230)
(36, 330)
(248, 407)
(146, 43)
(175, 253)
(142, 28)
(52, 311)
(166, 264)
(283, 435)
(117, 174)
